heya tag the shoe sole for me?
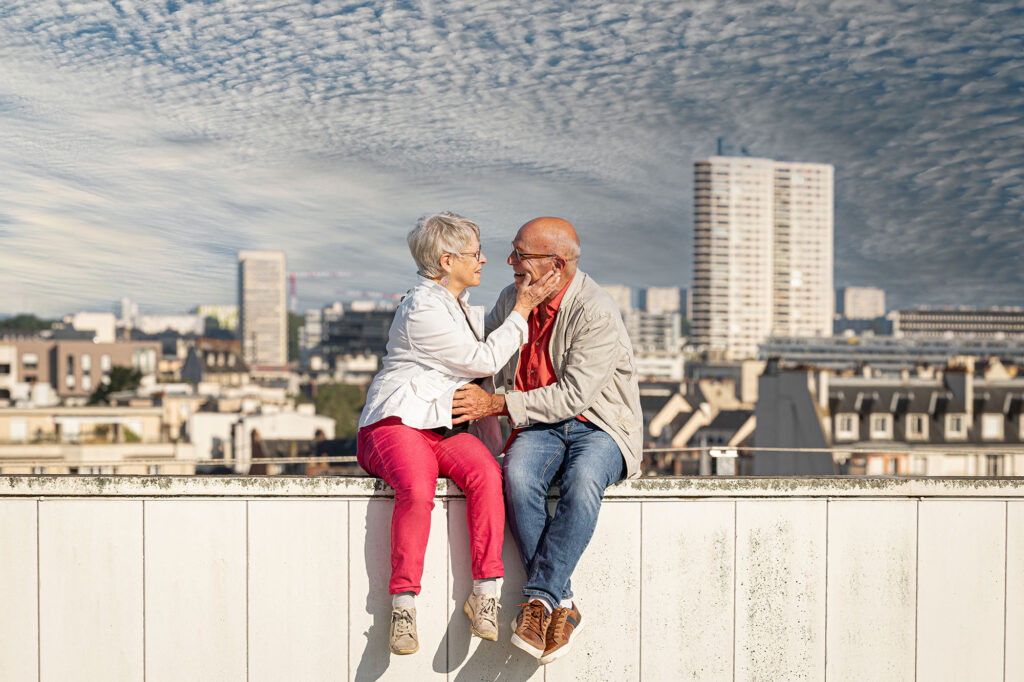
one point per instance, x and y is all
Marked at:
(555, 655)
(403, 652)
(472, 630)
(526, 646)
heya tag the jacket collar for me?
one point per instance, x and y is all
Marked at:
(574, 289)
(436, 288)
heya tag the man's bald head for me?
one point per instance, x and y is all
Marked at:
(556, 239)
(551, 235)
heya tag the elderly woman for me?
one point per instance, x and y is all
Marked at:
(435, 345)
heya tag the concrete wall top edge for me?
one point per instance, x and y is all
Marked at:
(645, 488)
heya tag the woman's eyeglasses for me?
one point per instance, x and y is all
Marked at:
(478, 255)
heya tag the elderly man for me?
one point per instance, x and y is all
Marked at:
(571, 395)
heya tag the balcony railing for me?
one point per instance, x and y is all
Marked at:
(276, 578)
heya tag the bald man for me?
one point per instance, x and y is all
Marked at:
(571, 395)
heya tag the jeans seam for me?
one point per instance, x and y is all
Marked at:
(547, 465)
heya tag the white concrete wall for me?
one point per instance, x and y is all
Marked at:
(161, 578)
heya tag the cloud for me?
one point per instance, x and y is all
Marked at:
(146, 142)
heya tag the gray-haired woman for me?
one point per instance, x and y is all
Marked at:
(435, 345)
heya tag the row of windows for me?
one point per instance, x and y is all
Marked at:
(847, 427)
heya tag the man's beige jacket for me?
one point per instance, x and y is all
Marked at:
(593, 360)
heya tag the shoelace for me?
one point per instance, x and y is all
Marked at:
(403, 622)
(489, 609)
(534, 616)
(558, 620)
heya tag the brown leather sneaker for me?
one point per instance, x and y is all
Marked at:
(531, 626)
(564, 624)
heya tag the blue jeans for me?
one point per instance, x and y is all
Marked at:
(588, 461)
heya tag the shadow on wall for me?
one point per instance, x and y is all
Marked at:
(454, 650)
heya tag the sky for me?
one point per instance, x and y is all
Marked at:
(142, 144)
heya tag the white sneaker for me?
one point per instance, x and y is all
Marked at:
(402, 639)
(482, 611)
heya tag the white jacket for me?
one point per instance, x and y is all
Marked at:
(431, 352)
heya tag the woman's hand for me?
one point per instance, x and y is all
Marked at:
(532, 293)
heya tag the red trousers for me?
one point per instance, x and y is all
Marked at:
(410, 460)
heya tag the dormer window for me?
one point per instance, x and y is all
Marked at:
(992, 426)
(956, 427)
(917, 427)
(881, 427)
(846, 427)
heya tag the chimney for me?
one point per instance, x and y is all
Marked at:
(960, 382)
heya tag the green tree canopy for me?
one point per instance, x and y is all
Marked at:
(295, 322)
(23, 322)
(343, 403)
(121, 379)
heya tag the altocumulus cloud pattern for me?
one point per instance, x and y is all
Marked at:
(145, 142)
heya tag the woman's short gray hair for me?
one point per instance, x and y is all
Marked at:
(436, 234)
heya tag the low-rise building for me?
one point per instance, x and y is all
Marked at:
(89, 440)
(215, 361)
(886, 354)
(952, 423)
(76, 368)
(959, 322)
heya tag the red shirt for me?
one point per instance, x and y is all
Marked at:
(535, 368)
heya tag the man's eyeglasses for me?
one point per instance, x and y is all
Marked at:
(519, 256)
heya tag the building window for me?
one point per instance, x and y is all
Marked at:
(153, 469)
(86, 382)
(30, 360)
(19, 430)
(104, 363)
(86, 363)
(5, 369)
(846, 427)
(917, 426)
(992, 426)
(956, 426)
(993, 465)
(881, 426)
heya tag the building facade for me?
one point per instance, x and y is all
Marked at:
(653, 332)
(997, 323)
(77, 368)
(860, 303)
(887, 355)
(225, 316)
(662, 300)
(763, 233)
(622, 295)
(262, 307)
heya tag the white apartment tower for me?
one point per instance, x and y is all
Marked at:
(262, 307)
(762, 252)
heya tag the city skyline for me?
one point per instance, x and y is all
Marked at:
(146, 145)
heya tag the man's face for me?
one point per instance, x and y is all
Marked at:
(531, 254)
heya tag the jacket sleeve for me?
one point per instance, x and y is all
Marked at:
(439, 339)
(589, 366)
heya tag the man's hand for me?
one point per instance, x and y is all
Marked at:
(472, 402)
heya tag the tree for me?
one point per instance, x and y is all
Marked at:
(295, 322)
(343, 403)
(119, 379)
(24, 323)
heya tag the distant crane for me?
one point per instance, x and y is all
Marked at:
(323, 274)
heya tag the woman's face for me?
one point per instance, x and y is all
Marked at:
(467, 265)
